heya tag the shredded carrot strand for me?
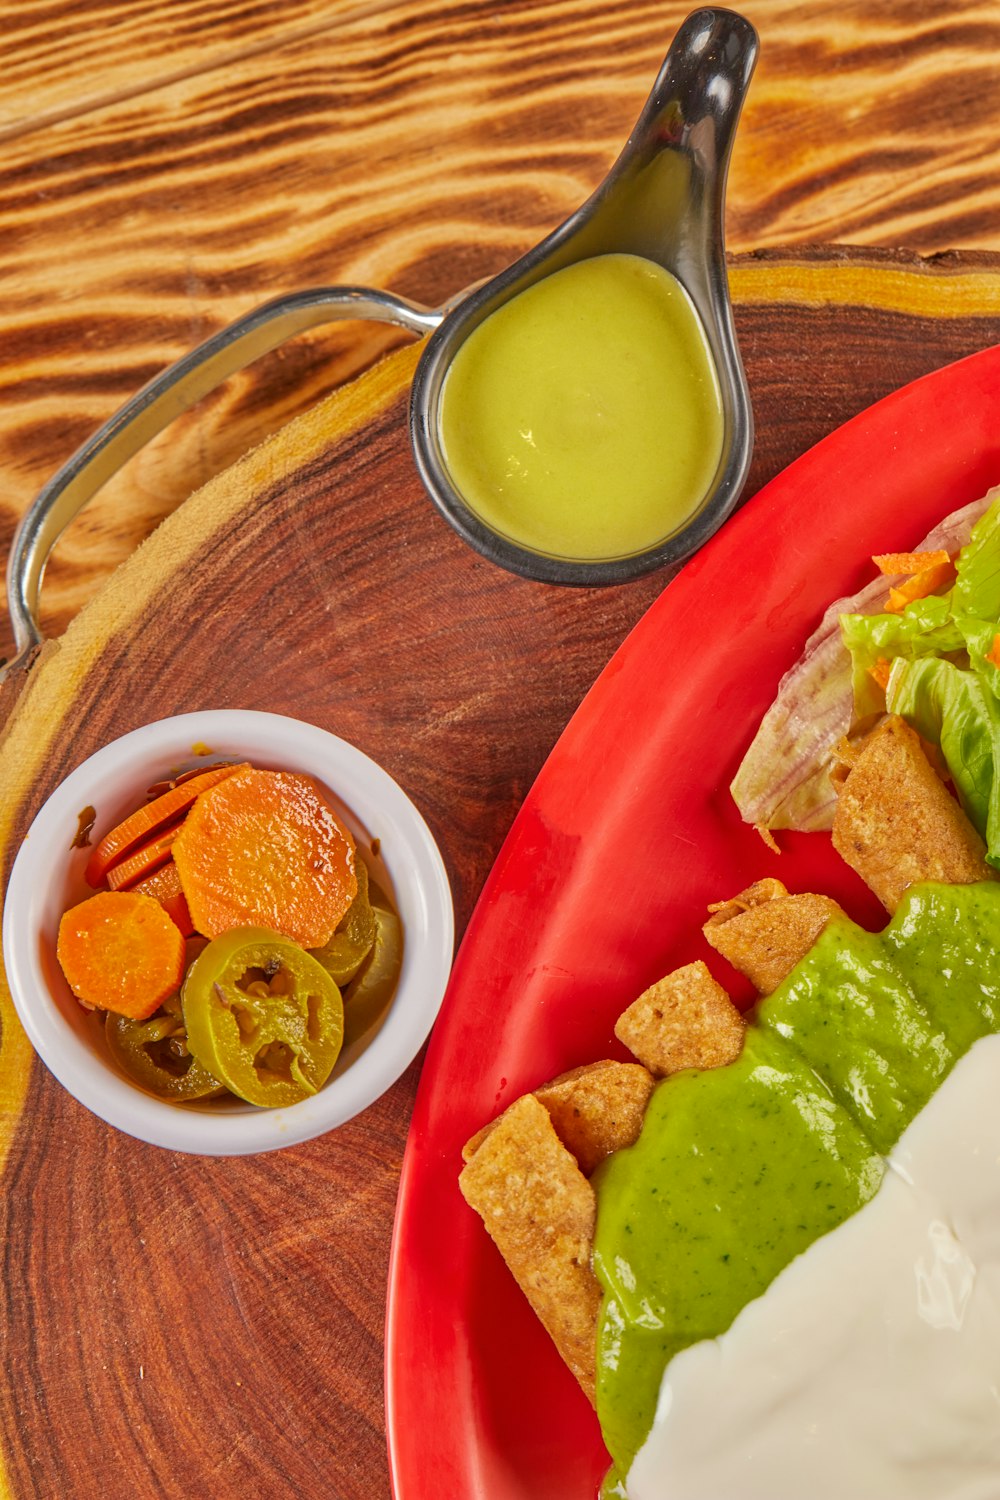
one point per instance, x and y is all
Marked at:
(880, 671)
(938, 575)
(893, 563)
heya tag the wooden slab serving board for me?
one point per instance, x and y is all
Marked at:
(166, 166)
(176, 1327)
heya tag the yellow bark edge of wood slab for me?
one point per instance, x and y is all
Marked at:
(946, 290)
(927, 288)
(62, 665)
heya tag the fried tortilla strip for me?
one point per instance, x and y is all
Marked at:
(598, 1108)
(764, 931)
(757, 894)
(595, 1110)
(685, 1020)
(896, 824)
(540, 1210)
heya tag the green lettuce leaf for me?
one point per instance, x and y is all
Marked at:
(977, 588)
(783, 780)
(925, 628)
(979, 636)
(953, 707)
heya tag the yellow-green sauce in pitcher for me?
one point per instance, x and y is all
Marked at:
(583, 418)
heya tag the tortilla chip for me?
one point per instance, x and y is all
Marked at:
(755, 895)
(896, 824)
(598, 1108)
(685, 1020)
(764, 931)
(540, 1211)
(594, 1110)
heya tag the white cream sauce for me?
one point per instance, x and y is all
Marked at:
(870, 1369)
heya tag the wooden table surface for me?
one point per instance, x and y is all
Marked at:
(165, 167)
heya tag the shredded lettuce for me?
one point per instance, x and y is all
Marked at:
(941, 682)
(925, 628)
(951, 707)
(950, 694)
(977, 588)
(979, 637)
(784, 781)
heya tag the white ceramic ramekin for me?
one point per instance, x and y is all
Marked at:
(47, 877)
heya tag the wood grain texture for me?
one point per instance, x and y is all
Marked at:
(178, 1328)
(166, 165)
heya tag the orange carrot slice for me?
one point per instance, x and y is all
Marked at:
(164, 885)
(891, 563)
(144, 860)
(993, 654)
(120, 951)
(263, 849)
(146, 820)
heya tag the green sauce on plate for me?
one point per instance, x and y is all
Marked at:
(583, 419)
(739, 1169)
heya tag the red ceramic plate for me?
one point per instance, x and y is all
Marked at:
(601, 887)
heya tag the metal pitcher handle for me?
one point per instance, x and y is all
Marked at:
(170, 393)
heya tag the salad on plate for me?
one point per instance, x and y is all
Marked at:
(685, 1223)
